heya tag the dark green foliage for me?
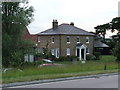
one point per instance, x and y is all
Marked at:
(113, 25)
(15, 18)
(97, 55)
(116, 51)
(90, 57)
(31, 64)
(68, 58)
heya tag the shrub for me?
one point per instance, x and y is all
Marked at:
(68, 58)
(93, 57)
(116, 51)
(97, 55)
(88, 57)
(61, 58)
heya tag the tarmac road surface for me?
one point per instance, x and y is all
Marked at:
(96, 82)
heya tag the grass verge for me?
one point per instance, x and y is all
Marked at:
(67, 70)
(54, 76)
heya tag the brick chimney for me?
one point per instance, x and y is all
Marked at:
(54, 24)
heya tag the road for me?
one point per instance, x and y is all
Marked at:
(97, 82)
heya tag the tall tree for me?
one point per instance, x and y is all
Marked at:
(15, 17)
(101, 29)
(113, 25)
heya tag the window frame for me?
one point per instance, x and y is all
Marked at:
(87, 51)
(52, 39)
(87, 40)
(38, 50)
(43, 50)
(39, 38)
(68, 39)
(78, 37)
(52, 51)
(68, 52)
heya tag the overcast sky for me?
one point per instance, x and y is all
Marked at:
(85, 14)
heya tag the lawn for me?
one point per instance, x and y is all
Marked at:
(67, 70)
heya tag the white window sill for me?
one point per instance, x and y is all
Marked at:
(68, 42)
(87, 42)
(78, 42)
(39, 41)
(52, 42)
(87, 53)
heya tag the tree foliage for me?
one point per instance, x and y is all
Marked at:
(15, 17)
(101, 29)
(113, 25)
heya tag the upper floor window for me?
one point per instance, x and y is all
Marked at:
(78, 39)
(87, 51)
(52, 51)
(38, 38)
(68, 51)
(52, 39)
(68, 39)
(87, 39)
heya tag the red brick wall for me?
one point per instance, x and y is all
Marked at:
(28, 36)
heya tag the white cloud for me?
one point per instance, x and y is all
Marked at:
(85, 14)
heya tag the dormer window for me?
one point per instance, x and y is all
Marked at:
(78, 39)
(87, 39)
(68, 39)
(38, 38)
(53, 39)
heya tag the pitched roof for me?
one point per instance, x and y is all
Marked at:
(98, 43)
(80, 44)
(65, 29)
(27, 36)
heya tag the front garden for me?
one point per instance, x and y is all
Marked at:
(106, 64)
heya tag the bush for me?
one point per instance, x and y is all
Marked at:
(61, 58)
(88, 57)
(68, 58)
(93, 57)
(46, 56)
(97, 55)
(116, 51)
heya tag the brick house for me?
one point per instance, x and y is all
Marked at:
(27, 36)
(66, 40)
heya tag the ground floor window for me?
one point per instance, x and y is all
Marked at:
(87, 51)
(38, 50)
(68, 51)
(52, 51)
(29, 58)
(43, 50)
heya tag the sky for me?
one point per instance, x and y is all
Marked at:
(85, 14)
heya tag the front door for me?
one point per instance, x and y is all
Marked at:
(78, 52)
(82, 53)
